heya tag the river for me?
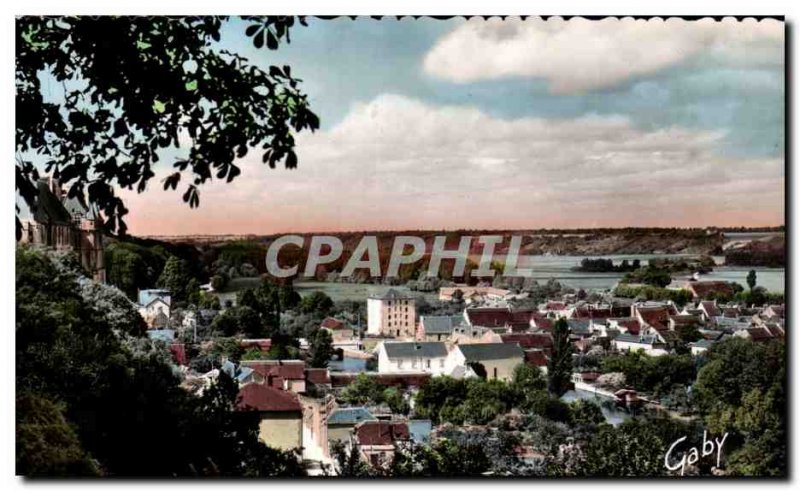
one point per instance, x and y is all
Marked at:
(560, 268)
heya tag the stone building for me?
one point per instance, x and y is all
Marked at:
(63, 223)
(392, 314)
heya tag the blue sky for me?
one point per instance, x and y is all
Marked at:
(344, 62)
(511, 124)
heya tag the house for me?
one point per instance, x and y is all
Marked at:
(392, 315)
(709, 309)
(537, 358)
(650, 345)
(777, 311)
(319, 377)
(438, 327)
(705, 290)
(530, 340)
(63, 223)
(579, 328)
(377, 441)
(542, 324)
(466, 334)
(342, 422)
(701, 346)
(491, 317)
(280, 415)
(339, 330)
(448, 293)
(497, 359)
(683, 321)
(282, 374)
(262, 344)
(755, 334)
(154, 307)
(654, 316)
(415, 356)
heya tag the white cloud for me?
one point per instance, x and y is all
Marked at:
(396, 163)
(580, 55)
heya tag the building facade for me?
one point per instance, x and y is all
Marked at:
(392, 314)
(64, 224)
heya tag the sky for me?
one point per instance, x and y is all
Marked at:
(431, 124)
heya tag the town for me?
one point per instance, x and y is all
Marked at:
(353, 388)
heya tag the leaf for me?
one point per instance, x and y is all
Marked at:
(172, 180)
(234, 171)
(291, 160)
(272, 41)
(251, 30)
(258, 41)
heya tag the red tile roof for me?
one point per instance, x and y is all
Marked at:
(332, 324)
(759, 334)
(287, 369)
(543, 323)
(536, 357)
(381, 432)
(555, 306)
(704, 289)
(655, 317)
(488, 316)
(632, 325)
(710, 308)
(530, 340)
(257, 397)
(319, 376)
(262, 344)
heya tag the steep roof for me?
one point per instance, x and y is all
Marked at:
(257, 397)
(655, 317)
(703, 289)
(488, 316)
(415, 349)
(535, 357)
(628, 338)
(490, 351)
(286, 369)
(49, 208)
(318, 376)
(529, 340)
(710, 307)
(440, 324)
(381, 432)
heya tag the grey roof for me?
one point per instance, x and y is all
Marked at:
(441, 324)
(490, 351)
(49, 208)
(628, 338)
(350, 416)
(414, 349)
(420, 430)
(703, 343)
(392, 294)
(579, 325)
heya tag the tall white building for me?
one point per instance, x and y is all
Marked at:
(391, 314)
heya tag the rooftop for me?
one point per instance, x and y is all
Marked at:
(415, 349)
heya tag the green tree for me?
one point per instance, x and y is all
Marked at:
(175, 277)
(396, 402)
(586, 413)
(751, 279)
(321, 349)
(362, 390)
(559, 367)
(317, 303)
(131, 86)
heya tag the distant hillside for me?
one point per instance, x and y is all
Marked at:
(768, 252)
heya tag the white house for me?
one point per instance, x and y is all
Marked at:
(650, 345)
(401, 357)
(497, 359)
(392, 314)
(154, 307)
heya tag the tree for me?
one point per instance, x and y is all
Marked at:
(559, 367)
(751, 279)
(362, 390)
(396, 402)
(131, 86)
(632, 449)
(586, 413)
(321, 349)
(317, 304)
(73, 363)
(175, 277)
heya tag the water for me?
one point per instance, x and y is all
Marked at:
(614, 415)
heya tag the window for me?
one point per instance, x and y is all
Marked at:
(441, 363)
(399, 363)
(414, 364)
(494, 370)
(427, 363)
